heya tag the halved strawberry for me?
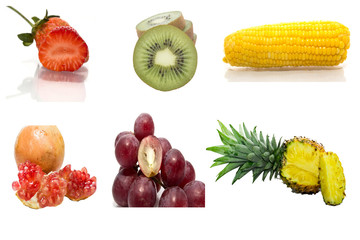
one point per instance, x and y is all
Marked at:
(63, 50)
(43, 30)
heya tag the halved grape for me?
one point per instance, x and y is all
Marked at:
(142, 193)
(126, 150)
(150, 156)
(173, 168)
(173, 197)
(195, 192)
(144, 126)
(121, 186)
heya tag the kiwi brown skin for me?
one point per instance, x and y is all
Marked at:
(178, 22)
(189, 30)
(165, 77)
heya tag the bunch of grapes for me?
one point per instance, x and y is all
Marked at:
(149, 164)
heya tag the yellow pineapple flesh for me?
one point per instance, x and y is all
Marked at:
(332, 179)
(300, 165)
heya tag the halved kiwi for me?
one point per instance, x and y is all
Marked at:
(174, 18)
(188, 29)
(165, 58)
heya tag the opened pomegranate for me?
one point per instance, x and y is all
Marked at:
(79, 184)
(37, 190)
(41, 145)
(52, 191)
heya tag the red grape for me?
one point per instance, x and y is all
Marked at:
(121, 186)
(189, 174)
(120, 135)
(142, 193)
(173, 197)
(165, 145)
(157, 181)
(144, 126)
(126, 150)
(173, 168)
(195, 192)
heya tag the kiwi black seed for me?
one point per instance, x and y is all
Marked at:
(174, 18)
(165, 58)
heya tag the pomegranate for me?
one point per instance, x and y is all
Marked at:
(41, 145)
(79, 184)
(37, 190)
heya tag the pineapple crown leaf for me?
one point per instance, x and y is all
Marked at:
(247, 151)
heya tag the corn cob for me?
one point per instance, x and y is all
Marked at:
(317, 43)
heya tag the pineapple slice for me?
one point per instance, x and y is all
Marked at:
(300, 165)
(332, 179)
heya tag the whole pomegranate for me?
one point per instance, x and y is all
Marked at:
(41, 145)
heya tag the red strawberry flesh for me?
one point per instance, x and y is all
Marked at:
(63, 50)
(46, 28)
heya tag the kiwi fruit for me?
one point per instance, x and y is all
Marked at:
(165, 58)
(174, 18)
(188, 29)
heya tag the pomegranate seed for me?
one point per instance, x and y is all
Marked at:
(15, 186)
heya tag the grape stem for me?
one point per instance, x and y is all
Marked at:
(158, 182)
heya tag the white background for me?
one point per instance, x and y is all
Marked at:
(319, 104)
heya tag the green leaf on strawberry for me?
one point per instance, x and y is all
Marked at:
(25, 37)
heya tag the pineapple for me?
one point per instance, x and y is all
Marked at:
(332, 179)
(297, 161)
(300, 166)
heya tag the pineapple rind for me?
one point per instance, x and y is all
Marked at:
(332, 179)
(300, 167)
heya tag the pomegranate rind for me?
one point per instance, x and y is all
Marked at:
(41, 145)
(32, 203)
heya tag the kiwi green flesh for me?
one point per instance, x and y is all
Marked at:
(165, 58)
(189, 29)
(174, 18)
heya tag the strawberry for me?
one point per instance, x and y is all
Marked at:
(60, 47)
(63, 50)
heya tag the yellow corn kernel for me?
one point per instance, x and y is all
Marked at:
(317, 43)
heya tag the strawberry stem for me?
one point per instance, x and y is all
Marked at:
(27, 20)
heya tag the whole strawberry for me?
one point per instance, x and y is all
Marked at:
(60, 46)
